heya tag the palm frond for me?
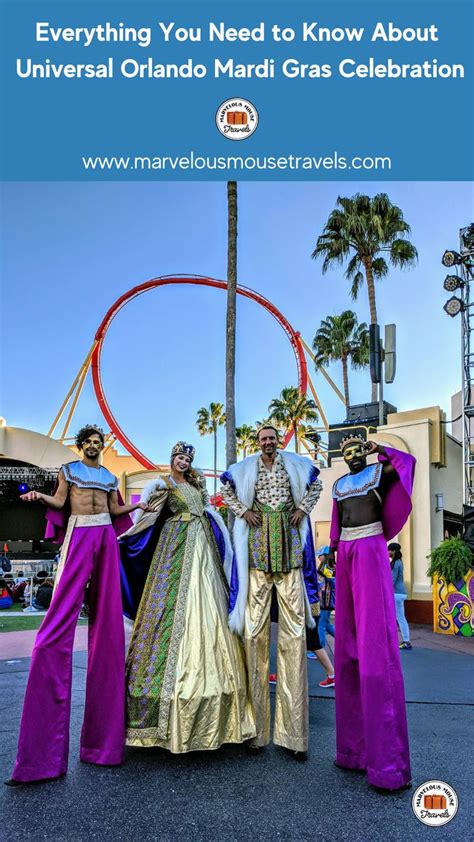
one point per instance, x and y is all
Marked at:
(357, 282)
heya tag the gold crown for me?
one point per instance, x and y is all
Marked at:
(351, 439)
(181, 447)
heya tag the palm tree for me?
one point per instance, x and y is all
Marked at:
(342, 338)
(292, 408)
(246, 439)
(309, 436)
(231, 447)
(365, 232)
(208, 420)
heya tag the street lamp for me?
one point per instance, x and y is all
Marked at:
(453, 306)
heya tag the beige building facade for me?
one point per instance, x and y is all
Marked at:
(437, 490)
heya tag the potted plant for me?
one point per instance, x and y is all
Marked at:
(451, 569)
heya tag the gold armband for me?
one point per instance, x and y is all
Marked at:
(315, 609)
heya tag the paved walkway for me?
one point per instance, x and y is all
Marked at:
(19, 644)
(228, 796)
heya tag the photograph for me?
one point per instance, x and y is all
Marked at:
(236, 422)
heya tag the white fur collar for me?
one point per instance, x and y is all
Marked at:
(151, 487)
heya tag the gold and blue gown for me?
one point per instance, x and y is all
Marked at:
(186, 682)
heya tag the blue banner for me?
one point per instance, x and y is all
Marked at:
(260, 91)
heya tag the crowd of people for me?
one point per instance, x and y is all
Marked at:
(34, 592)
(196, 674)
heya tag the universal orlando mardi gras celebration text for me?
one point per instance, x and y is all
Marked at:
(165, 35)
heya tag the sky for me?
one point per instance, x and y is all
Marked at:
(71, 249)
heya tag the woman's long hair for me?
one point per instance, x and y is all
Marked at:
(193, 477)
(396, 548)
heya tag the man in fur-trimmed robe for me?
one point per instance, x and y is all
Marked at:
(271, 495)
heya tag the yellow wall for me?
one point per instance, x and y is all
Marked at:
(424, 529)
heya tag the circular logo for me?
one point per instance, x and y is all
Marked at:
(236, 119)
(435, 803)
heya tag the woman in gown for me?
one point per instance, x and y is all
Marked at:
(186, 676)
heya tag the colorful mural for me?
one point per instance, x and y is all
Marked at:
(453, 606)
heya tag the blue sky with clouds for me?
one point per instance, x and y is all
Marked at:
(70, 249)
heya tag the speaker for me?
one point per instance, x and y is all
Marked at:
(390, 358)
(368, 412)
(362, 419)
(375, 356)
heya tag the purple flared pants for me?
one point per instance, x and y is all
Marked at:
(371, 724)
(44, 732)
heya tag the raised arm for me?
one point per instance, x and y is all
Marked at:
(55, 501)
(389, 473)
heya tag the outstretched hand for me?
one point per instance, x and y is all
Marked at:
(145, 507)
(31, 497)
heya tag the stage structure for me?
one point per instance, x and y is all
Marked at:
(462, 282)
(93, 362)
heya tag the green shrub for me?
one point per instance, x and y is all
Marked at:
(451, 560)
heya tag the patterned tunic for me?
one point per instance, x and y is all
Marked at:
(275, 546)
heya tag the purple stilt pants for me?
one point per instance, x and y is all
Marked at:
(44, 732)
(371, 724)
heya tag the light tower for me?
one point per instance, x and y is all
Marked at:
(461, 282)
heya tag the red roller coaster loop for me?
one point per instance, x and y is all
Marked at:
(167, 280)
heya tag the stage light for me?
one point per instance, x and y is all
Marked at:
(467, 238)
(452, 283)
(453, 306)
(451, 258)
(22, 488)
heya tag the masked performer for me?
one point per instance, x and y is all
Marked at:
(370, 506)
(186, 679)
(271, 495)
(89, 554)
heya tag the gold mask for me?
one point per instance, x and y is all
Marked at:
(353, 450)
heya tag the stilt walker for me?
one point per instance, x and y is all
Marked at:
(89, 555)
(370, 506)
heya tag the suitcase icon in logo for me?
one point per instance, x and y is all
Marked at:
(435, 802)
(237, 118)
